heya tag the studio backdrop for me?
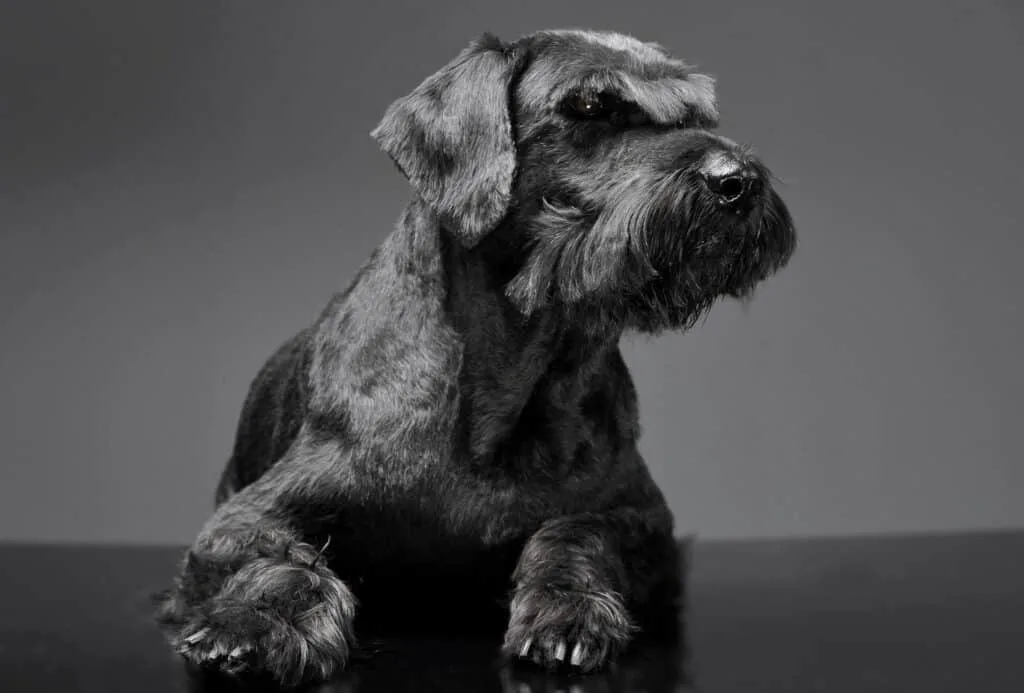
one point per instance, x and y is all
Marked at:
(184, 184)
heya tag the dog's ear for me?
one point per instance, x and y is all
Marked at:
(452, 138)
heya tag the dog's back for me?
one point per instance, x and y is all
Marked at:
(272, 415)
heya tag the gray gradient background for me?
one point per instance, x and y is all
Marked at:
(183, 185)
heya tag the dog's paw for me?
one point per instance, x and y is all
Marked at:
(210, 647)
(288, 622)
(582, 630)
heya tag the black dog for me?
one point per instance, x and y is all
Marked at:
(459, 425)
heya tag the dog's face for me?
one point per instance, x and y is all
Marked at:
(584, 165)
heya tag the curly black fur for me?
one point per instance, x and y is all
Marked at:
(457, 434)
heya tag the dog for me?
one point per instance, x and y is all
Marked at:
(457, 433)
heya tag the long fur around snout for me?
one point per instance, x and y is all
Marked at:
(454, 441)
(576, 253)
(603, 254)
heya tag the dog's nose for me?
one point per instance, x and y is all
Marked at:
(729, 178)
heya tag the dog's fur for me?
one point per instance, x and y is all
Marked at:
(459, 425)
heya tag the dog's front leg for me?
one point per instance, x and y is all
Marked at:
(580, 580)
(253, 593)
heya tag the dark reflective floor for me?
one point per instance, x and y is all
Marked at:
(900, 614)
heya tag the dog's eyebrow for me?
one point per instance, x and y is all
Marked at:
(670, 100)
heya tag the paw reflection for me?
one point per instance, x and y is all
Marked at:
(649, 669)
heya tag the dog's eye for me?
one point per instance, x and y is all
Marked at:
(588, 105)
(606, 107)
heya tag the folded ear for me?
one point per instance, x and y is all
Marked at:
(452, 138)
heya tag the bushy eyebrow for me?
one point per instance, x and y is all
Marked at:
(671, 100)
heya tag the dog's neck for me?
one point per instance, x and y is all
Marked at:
(516, 369)
(445, 303)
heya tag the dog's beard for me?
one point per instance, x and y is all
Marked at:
(578, 252)
(657, 258)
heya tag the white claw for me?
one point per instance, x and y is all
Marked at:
(526, 647)
(577, 655)
(197, 636)
(560, 650)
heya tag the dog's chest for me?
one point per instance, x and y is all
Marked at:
(436, 504)
(494, 506)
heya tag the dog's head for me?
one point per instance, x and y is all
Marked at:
(586, 161)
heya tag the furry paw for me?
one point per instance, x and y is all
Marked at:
(227, 650)
(551, 627)
(287, 621)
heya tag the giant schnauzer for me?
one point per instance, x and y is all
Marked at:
(457, 432)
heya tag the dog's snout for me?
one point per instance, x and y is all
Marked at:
(728, 177)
